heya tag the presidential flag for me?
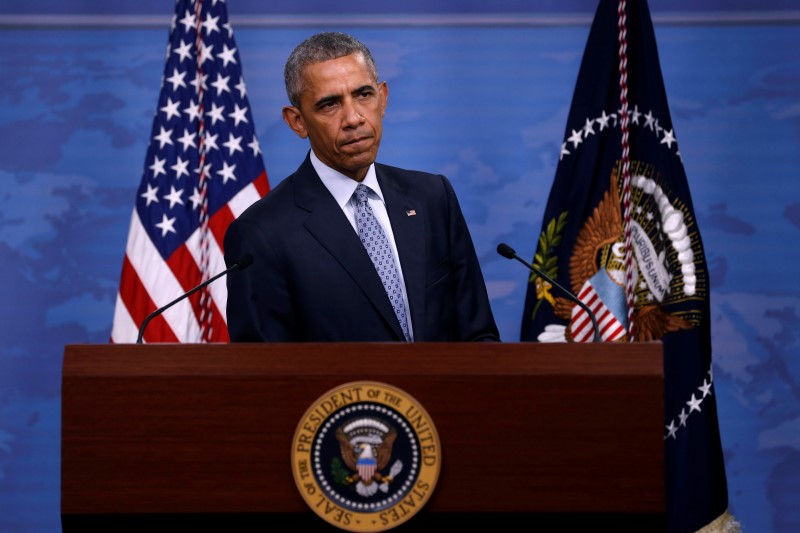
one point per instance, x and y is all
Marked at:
(202, 169)
(619, 230)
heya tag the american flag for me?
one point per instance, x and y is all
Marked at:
(203, 168)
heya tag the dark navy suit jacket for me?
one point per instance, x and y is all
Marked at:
(312, 279)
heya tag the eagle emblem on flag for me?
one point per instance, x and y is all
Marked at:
(664, 268)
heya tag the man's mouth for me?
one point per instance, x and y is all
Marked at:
(357, 141)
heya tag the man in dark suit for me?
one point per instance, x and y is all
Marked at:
(334, 261)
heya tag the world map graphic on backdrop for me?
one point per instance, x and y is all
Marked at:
(75, 127)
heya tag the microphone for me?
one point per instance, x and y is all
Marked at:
(509, 253)
(244, 262)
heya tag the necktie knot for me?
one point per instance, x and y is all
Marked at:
(362, 193)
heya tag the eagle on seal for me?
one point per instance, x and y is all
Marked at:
(367, 454)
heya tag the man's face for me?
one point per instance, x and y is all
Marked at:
(341, 112)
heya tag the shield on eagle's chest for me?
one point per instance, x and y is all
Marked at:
(366, 468)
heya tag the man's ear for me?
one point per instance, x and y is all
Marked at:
(293, 118)
(383, 90)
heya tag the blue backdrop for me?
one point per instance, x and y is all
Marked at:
(479, 91)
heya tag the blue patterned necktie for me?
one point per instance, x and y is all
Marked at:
(380, 251)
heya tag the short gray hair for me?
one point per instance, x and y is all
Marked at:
(316, 49)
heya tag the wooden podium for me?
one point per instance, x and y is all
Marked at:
(558, 434)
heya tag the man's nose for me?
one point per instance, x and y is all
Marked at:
(352, 114)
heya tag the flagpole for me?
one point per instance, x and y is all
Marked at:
(625, 161)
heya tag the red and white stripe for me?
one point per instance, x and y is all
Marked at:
(148, 282)
(580, 324)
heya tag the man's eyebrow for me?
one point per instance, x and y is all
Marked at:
(327, 99)
(364, 88)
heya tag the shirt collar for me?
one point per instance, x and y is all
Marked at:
(341, 186)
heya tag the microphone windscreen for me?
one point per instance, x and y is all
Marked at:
(506, 251)
(245, 261)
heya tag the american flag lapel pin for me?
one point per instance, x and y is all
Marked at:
(411, 212)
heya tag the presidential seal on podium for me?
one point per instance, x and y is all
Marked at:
(366, 456)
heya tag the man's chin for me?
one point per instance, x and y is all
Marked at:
(360, 159)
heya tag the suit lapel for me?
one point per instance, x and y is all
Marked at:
(408, 225)
(328, 224)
